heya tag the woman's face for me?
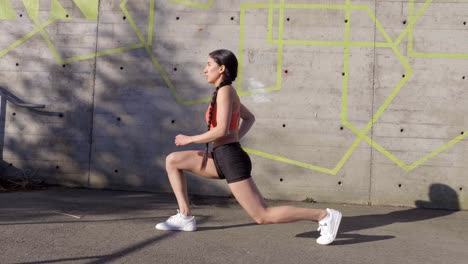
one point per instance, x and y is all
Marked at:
(213, 72)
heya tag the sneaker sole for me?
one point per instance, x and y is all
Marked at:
(187, 229)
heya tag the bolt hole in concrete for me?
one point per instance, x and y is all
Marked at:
(463, 132)
(20, 15)
(461, 189)
(57, 167)
(285, 71)
(399, 185)
(464, 23)
(284, 125)
(287, 19)
(403, 76)
(401, 130)
(67, 15)
(339, 183)
(121, 68)
(175, 69)
(232, 18)
(346, 21)
(281, 179)
(14, 114)
(177, 18)
(343, 74)
(173, 121)
(11, 164)
(60, 115)
(116, 171)
(64, 65)
(124, 17)
(404, 22)
(17, 64)
(341, 127)
(463, 77)
(118, 119)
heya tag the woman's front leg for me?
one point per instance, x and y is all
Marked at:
(176, 163)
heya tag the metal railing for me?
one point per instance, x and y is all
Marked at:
(7, 95)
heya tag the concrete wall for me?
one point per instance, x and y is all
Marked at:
(356, 101)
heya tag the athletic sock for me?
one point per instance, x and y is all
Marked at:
(185, 217)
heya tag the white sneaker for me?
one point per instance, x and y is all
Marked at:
(328, 227)
(178, 222)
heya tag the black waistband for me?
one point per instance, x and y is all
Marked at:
(228, 144)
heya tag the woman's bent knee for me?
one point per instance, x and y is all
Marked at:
(171, 160)
(263, 218)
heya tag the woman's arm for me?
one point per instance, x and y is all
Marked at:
(247, 120)
(223, 119)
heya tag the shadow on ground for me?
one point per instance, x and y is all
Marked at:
(442, 197)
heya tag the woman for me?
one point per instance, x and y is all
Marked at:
(228, 160)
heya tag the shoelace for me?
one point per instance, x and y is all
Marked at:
(175, 217)
(323, 229)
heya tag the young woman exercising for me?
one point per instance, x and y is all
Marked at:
(229, 161)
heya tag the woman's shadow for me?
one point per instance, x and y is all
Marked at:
(441, 197)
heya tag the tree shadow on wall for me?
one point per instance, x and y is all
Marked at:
(441, 197)
(110, 120)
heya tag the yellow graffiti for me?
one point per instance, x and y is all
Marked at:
(6, 10)
(346, 44)
(32, 7)
(194, 3)
(57, 11)
(89, 8)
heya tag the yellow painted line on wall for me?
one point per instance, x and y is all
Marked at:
(52, 48)
(155, 61)
(89, 8)
(435, 152)
(6, 10)
(32, 8)
(104, 53)
(24, 38)
(131, 21)
(57, 11)
(270, 22)
(374, 144)
(288, 161)
(194, 3)
(439, 55)
(151, 23)
(412, 20)
(378, 24)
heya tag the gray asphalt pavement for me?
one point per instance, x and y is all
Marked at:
(60, 225)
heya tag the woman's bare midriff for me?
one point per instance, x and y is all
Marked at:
(232, 137)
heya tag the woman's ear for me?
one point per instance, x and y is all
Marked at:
(222, 68)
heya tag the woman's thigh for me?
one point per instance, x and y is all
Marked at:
(249, 197)
(191, 160)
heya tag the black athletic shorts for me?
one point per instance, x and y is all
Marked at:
(232, 162)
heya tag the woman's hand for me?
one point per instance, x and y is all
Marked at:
(182, 140)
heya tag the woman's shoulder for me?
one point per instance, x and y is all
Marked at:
(228, 89)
